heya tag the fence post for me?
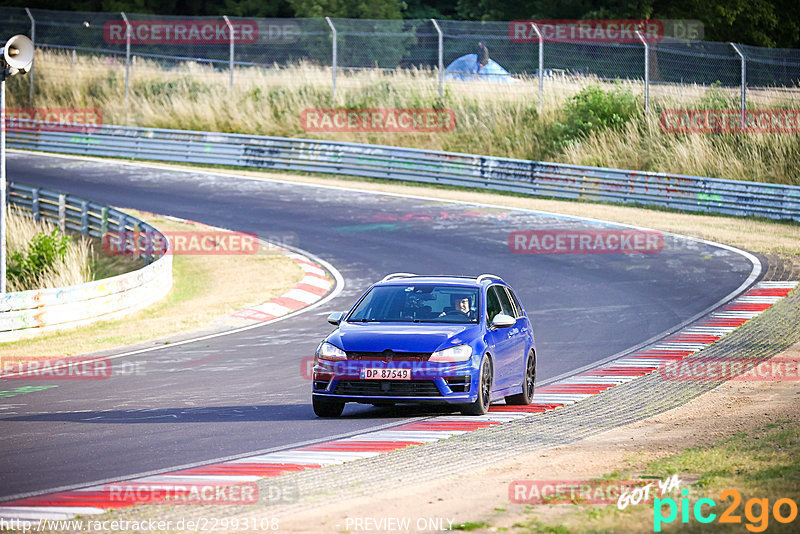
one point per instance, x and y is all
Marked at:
(541, 66)
(743, 97)
(127, 54)
(33, 40)
(333, 58)
(230, 29)
(441, 58)
(646, 71)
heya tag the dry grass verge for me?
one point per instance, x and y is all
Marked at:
(74, 267)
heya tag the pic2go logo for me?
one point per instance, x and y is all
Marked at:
(756, 511)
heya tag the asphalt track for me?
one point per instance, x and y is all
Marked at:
(244, 392)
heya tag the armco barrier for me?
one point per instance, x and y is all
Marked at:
(732, 197)
(25, 313)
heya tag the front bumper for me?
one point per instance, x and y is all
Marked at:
(430, 383)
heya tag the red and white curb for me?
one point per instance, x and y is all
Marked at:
(99, 499)
(314, 286)
(683, 343)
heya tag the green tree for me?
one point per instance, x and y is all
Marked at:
(363, 9)
(754, 22)
(364, 43)
(429, 9)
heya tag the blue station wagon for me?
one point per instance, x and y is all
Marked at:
(428, 339)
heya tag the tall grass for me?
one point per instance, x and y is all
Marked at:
(83, 258)
(492, 118)
(74, 266)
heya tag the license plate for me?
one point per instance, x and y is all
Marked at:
(385, 374)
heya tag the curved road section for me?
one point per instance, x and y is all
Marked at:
(236, 394)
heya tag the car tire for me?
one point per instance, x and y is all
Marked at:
(327, 408)
(481, 404)
(528, 384)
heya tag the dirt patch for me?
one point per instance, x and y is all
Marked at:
(482, 496)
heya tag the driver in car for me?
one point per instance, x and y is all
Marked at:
(460, 305)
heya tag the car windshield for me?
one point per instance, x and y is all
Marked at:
(418, 304)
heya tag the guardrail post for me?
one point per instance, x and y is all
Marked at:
(646, 71)
(230, 61)
(743, 83)
(541, 66)
(333, 57)
(33, 40)
(84, 217)
(127, 54)
(35, 204)
(104, 222)
(441, 58)
(149, 255)
(62, 212)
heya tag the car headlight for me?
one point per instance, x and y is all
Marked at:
(326, 351)
(459, 353)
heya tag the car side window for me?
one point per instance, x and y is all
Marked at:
(505, 303)
(492, 304)
(514, 302)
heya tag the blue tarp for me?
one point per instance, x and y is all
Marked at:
(466, 68)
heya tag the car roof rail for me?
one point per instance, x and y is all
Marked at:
(487, 276)
(397, 275)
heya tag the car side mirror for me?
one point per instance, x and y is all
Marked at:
(502, 320)
(335, 318)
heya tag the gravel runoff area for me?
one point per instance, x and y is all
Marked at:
(766, 335)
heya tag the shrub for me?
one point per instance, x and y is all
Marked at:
(26, 267)
(716, 98)
(593, 109)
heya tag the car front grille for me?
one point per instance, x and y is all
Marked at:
(384, 356)
(387, 388)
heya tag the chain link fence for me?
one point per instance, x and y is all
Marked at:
(437, 55)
